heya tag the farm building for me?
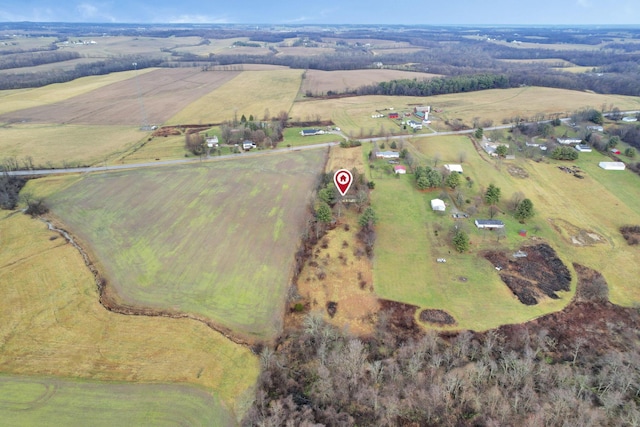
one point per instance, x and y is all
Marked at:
(595, 128)
(568, 141)
(612, 166)
(414, 124)
(489, 223)
(629, 119)
(583, 148)
(212, 141)
(401, 169)
(453, 168)
(394, 116)
(422, 109)
(248, 145)
(310, 132)
(387, 155)
(616, 151)
(438, 205)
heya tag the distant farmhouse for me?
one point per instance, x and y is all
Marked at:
(414, 124)
(595, 128)
(629, 119)
(248, 145)
(393, 115)
(489, 223)
(387, 155)
(569, 141)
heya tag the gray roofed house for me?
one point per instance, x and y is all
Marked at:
(489, 223)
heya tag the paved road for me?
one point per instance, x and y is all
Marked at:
(243, 155)
(258, 152)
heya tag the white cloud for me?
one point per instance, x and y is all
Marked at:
(95, 12)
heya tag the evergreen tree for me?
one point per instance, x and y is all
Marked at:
(524, 210)
(323, 213)
(461, 241)
(492, 195)
(453, 180)
(368, 218)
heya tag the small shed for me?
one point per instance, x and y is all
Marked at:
(612, 166)
(438, 205)
(400, 169)
(387, 155)
(453, 168)
(583, 148)
(523, 233)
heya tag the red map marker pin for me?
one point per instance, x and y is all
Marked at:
(343, 180)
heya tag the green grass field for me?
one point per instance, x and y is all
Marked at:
(293, 138)
(55, 401)
(52, 324)
(405, 267)
(215, 240)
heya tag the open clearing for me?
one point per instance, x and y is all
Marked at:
(51, 324)
(164, 92)
(250, 93)
(319, 82)
(46, 400)
(215, 241)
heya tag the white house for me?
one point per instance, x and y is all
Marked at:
(212, 141)
(612, 166)
(453, 168)
(438, 205)
(629, 119)
(400, 169)
(583, 148)
(489, 223)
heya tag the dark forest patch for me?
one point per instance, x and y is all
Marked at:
(631, 234)
(439, 317)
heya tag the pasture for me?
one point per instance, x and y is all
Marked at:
(52, 325)
(411, 236)
(214, 241)
(47, 401)
(250, 93)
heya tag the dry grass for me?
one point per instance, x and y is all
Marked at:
(345, 158)
(250, 93)
(53, 145)
(336, 274)
(52, 324)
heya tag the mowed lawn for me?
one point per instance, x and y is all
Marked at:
(215, 240)
(52, 325)
(407, 246)
(54, 401)
(251, 93)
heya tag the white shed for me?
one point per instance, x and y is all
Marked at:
(438, 205)
(612, 166)
(453, 168)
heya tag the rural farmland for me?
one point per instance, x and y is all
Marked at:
(214, 241)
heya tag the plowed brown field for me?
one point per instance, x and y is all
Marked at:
(164, 93)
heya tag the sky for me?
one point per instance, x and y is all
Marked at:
(426, 12)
